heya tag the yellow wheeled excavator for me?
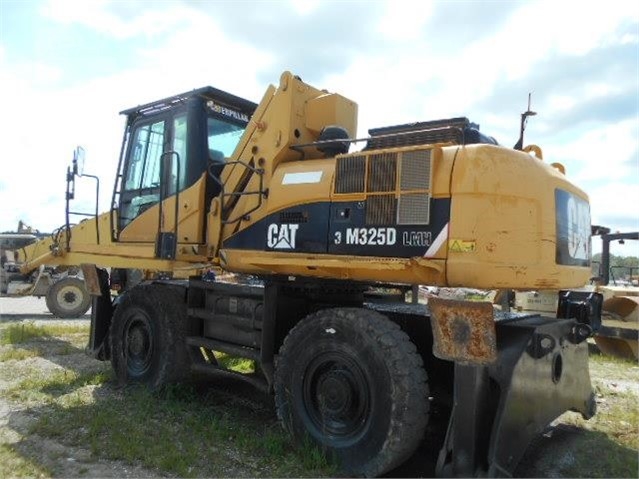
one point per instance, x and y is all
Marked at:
(207, 179)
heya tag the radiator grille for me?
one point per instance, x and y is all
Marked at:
(349, 175)
(416, 169)
(382, 172)
(414, 209)
(381, 210)
(389, 199)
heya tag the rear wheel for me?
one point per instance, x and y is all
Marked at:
(148, 336)
(68, 298)
(352, 382)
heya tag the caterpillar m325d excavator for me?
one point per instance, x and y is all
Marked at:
(207, 178)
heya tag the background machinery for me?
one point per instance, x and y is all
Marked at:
(63, 288)
(206, 179)
(619, 332)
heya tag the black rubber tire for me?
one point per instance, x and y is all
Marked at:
(68, 298)
(147, 336)
(351, 381)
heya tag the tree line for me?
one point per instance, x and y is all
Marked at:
(621, 267)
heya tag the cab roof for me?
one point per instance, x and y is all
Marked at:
(207, 93)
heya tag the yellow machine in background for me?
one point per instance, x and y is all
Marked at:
(210, 180)
(619, 334)
(62, 287)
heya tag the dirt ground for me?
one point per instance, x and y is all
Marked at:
(15, 419)
(551, 455)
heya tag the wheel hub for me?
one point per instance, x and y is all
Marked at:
(136, 342)
(139, 345)
(68, 297)
(335, 394)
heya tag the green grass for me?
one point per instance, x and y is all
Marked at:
(607, 444)
(176, 431)
(179, 433)
(24, 332)
(617, 462)
(19, 354)
(612, 360)
(14, 464)
(314, 458)
(620, 419)
(182, 431)
(47, 388)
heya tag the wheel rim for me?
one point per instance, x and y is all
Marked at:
(138, 343)
(337, 396)
(69, 297)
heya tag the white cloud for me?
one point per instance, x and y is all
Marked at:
(220, 61)
(399, 87)
(567, 28)
(404, 20)
(558, 103)
(600, 154)
(305, 7)
(97, 16)
(614, 200)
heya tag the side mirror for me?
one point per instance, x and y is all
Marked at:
(78, 161)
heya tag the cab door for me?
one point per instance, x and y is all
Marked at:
(152, 142)
(141, 181)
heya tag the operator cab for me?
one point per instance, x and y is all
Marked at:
(168, 145)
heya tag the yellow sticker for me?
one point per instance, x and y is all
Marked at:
(461, 246)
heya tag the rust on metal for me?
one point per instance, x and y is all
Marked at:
(91, 279)
(463, 331)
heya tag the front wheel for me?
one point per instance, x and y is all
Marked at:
(68, 298)
(148, 336)
(353, 383)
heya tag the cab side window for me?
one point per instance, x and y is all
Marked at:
(179, 147)
(146, 154)
(142, 177)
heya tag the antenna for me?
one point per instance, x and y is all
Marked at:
(524, 119)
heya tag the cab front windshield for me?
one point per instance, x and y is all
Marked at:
(223, 138)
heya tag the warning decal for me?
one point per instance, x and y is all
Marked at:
(461, 246)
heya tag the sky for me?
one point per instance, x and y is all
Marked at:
(67, 68)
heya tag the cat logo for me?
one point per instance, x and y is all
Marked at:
(281, 236)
